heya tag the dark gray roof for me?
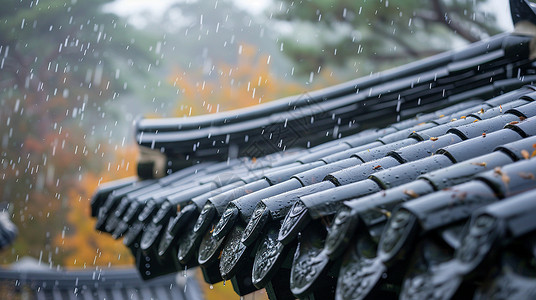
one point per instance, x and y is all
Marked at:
(432, 203)
(95, 284)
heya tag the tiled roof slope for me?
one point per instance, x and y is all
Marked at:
(435, 204)
(115, 284)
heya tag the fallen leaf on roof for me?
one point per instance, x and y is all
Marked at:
(525, 154)
(504, 178)
(411, 193)
(383, 211)
(528, 176)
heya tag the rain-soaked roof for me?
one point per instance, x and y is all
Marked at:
(416, 182)
(29, 280)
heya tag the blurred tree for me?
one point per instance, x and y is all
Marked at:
(61, 63)
(247, 83)
(82, 245)
(212, 31)
(367, 35)
(201, 37)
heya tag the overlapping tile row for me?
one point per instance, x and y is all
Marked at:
(434, 205)
(483, 70)
(41, 282)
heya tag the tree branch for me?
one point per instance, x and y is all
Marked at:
(443, 17)
(428, 16)
(395, 56)
(409, 50)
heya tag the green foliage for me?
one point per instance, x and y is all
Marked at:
(358, 34)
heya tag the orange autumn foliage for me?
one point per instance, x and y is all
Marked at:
(228, 87)
(85, 246)
(224, 291)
